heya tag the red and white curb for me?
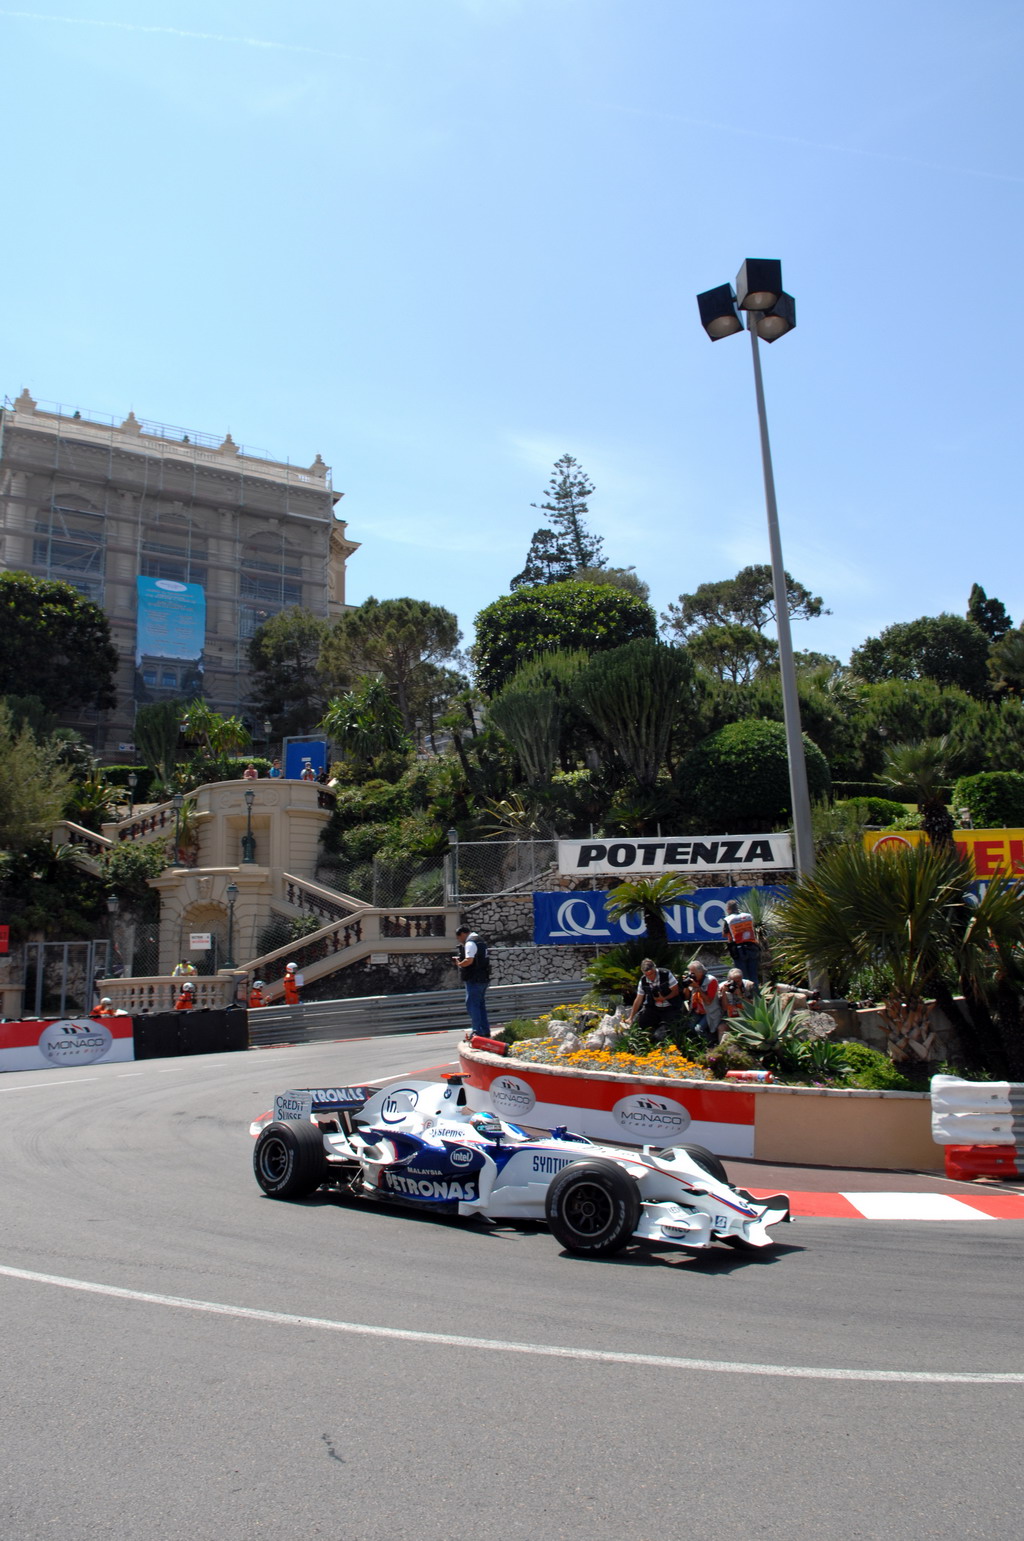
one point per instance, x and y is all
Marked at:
(903, 1206)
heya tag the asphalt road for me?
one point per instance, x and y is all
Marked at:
(651, 1396)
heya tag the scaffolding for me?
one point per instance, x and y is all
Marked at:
(100, 503)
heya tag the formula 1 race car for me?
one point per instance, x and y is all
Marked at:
(419, 1145)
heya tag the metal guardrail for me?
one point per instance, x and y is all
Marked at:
(369, 1016)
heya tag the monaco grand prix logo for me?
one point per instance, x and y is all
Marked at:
(75, 1042)
(651, 1118)
(511, 1096)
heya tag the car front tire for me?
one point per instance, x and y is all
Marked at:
(593, 1207)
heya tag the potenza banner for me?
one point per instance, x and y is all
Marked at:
(581, 918)
(681, 853)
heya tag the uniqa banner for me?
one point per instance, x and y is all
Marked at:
(677, 853)
(990, 852)
(583, 917)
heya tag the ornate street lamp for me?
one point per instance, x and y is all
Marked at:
(232, 893)
(133, 782)
(249, 839)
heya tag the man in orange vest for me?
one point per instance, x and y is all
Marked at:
(104, 1009)
(187, 999)
(256, 997)
(292, 984)
(705, 1006)
(740, 936)
(736, 993)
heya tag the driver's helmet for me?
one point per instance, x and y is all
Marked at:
(487, 1124)
(257, 984)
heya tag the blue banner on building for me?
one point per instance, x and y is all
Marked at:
(171, 621)
(579, 918)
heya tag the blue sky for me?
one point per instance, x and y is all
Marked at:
(443, 242)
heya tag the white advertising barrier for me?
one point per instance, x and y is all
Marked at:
(679, 853)
(622, 1110)
(65, 1042)
(977, 1112)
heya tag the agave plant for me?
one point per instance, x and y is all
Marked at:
(773, 1029)
(820, 1057)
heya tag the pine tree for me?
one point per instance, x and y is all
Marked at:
(989, 615)
(558, 553)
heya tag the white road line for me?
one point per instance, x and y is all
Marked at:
(31, 1086)
(912, 1206)
(124, 1074)
(501, 1346)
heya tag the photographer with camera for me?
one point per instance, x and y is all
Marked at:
(736, 992)
(658, 1001)
(474, 965)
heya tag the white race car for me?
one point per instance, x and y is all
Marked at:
(418, 1144)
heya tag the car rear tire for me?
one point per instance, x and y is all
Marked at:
(707, 1161)
(593, 1207)
(289, 1160)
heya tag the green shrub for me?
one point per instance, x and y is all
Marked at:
(995, 798)
(117, 776)
(873, 810)
(427, 888)
(871, 1069)
(738, 779)
(521, 1028)
(906, 821)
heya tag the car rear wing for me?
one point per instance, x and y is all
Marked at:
(298, 1105)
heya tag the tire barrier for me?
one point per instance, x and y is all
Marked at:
(981, 1125)
(168, 1034)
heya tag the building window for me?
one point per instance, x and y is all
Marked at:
(69, 544)
(271, 576)
(172, 551)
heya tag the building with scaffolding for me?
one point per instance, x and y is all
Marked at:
(188, 541)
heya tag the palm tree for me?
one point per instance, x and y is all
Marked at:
(365, 723)
(646, 897)
(925, 769)
(907, 912)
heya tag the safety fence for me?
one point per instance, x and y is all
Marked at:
(427, 1011)
(481, 869)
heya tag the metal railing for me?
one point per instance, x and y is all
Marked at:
(424, 1012)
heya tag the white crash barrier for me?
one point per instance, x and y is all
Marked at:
(977, 1112)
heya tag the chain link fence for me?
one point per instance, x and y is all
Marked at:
(482, 869)
(383, 882)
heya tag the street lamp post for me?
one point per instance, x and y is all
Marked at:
(249, 839)
(232, 893)
(133, 782)
(771, 313)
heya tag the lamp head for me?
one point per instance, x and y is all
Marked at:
(775, 323)
(250, 797)
(758, 283)
(718, 314)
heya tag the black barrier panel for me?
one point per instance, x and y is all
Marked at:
(212, 1032)
(157, 1037)
(169, 1033)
